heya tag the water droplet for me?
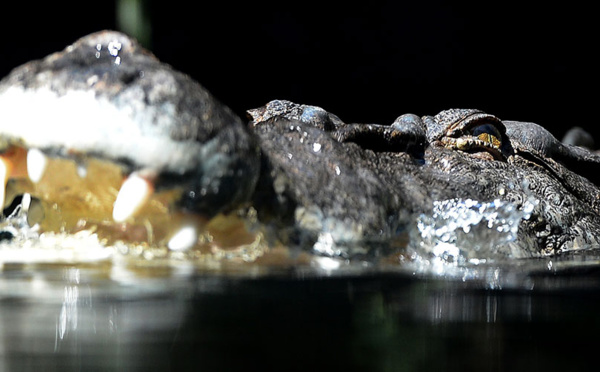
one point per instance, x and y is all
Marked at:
(338, 170)
(113, 48)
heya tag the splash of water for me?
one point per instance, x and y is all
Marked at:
(461, 231)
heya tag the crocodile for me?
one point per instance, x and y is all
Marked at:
(124, 142)
(369, 181)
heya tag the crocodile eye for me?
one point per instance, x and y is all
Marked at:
(488, 133)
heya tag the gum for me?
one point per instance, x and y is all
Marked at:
(77, 195)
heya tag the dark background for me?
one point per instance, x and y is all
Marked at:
(366, 62)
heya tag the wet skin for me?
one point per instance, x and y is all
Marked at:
(377, 178)
(106, 136)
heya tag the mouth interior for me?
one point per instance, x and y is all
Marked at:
(72, 196)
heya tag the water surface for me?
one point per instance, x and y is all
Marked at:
(531, 314)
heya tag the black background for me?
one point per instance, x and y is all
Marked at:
(366, 62)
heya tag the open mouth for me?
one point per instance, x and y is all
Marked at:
(105, 197)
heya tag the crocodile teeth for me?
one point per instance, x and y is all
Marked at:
(5, 167)
(36, 165)
(183, 239)
(461, 143)
(133, 194)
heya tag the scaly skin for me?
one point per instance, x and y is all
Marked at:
(104, 100)
(377, 178)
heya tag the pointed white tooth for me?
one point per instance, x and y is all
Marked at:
(4, 174)
(134, 192)
(26, 202)
(183, 239)
(36, 165)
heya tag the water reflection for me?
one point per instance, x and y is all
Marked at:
(68, 317)
(82, 317)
